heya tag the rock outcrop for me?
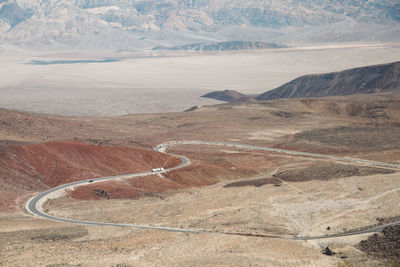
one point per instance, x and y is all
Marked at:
(383, 245)
(227, 96)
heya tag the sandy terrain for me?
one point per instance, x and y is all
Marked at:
(167, 82)
(291, 195)
(303, 208)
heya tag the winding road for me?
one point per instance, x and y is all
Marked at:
(35, 204)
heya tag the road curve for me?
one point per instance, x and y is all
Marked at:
(35, 204)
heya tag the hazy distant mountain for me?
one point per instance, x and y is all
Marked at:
(222, 46)
(148, 23)
(366, 80)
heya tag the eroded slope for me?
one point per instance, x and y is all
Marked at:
(36, 167)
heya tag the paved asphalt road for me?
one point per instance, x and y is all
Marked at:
(34, 204)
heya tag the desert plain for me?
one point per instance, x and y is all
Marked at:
(104, 83)
(252, 204)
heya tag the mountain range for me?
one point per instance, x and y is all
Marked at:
(87, 24)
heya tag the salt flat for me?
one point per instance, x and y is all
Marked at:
(104, 83)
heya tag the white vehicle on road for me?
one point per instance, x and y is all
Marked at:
(158, 170)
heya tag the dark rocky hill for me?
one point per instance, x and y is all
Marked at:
(227, 96)
(383, 245)
(366, 80)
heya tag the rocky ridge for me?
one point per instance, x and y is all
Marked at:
(222, 46)
(383, 78)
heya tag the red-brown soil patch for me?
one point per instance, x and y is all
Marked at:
(198, 174)
(208, 166)
(31, 168)
(130, 188)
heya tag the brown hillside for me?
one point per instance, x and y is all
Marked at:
(32, 168)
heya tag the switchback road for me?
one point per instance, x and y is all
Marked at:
(35, 204)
